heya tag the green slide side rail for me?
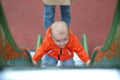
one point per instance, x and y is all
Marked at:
(116, 21)
(6, 29)
(7, 34)
(112, 33)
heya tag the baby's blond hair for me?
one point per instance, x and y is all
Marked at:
(59, 26)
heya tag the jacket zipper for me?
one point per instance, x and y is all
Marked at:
(60, 54)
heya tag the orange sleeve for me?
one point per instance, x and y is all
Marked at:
(44, 47)
(79, 50)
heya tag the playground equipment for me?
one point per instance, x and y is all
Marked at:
(109, 54)
(84, 42)
(39, 41)
(10, 53)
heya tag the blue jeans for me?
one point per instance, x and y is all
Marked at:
(49, 14)
(50, 61)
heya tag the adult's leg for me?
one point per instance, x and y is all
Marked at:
(49, 61)
(65, 13)
(48, 16)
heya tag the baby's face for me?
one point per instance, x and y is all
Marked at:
(60, 39)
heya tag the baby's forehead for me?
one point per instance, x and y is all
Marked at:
(60, 28)
(60, 33)
(60, 36)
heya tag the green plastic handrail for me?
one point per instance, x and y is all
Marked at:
(84, 42)
(39, 40)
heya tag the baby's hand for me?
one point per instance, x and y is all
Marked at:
(88, 63)
(34, 62)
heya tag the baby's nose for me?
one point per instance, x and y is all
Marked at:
(62, 43)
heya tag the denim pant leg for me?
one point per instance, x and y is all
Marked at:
(65, 14)
(69, 63)
(48, 16)
(49, 61)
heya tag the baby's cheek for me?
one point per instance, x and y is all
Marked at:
(66, 42)
(57, 43)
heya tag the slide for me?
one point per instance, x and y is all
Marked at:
(10, 53)
(108, 55)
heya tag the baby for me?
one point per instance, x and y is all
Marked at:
(60, 44)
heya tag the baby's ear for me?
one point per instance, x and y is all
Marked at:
(51, 31)
(51, 34)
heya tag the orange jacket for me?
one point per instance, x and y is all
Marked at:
(49, 47)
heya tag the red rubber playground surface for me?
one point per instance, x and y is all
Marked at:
(90, 17)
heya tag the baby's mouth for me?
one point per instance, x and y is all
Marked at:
(61, 46)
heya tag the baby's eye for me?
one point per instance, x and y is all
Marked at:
(57, 40)
(65, 39)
